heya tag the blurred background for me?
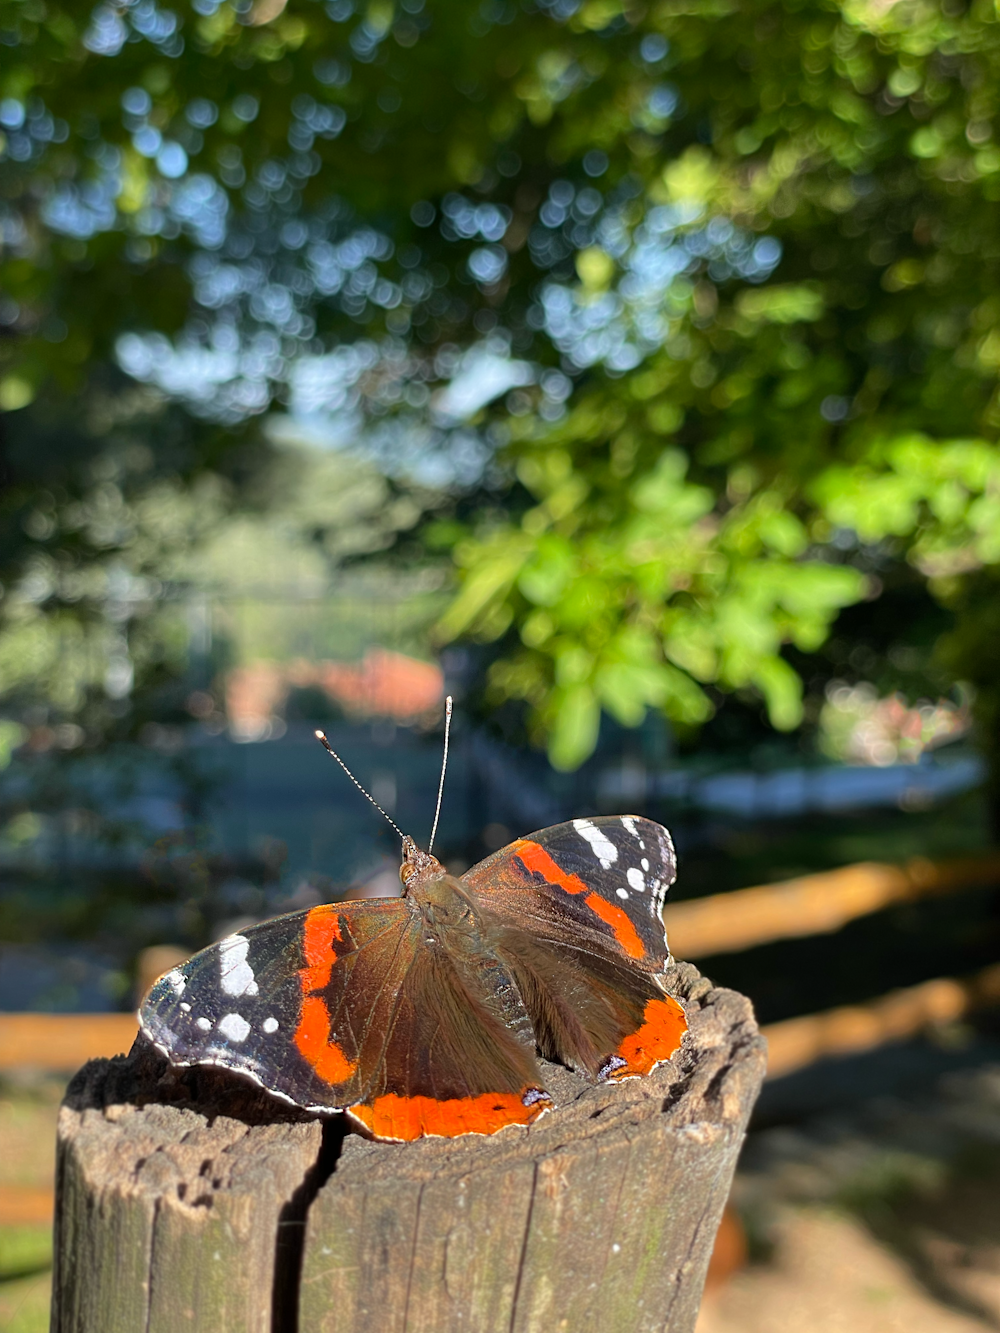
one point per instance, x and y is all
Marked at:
(629, 372)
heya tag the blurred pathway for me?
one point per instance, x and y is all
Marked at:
(829, 1275)
(881, 1217)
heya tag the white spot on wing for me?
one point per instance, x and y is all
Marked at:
(185, 1008)
(270, 1025)
(204, 1023)
(604, 849)
(635, 878)
(644, 863)
(176, 980)
(622, 893)
(628, 821)
(234, 1027)
(235, 973)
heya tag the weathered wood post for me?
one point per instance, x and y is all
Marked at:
(186, 1199)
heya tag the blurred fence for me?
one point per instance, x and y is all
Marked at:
(822, 904)
(814, 904)
(851, 1029)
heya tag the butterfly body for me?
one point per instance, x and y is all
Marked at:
(422, 1014)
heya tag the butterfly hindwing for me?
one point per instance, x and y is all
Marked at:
(451, 1061)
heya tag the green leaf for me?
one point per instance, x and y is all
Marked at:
(549, 570)
(625, 691)
(783, 533)
(573, 663)
(576, 726)
(491, 577)
(665, 492)
(683, 700)
(12, 734)
(691, 644)
(782, 691)
(781, 304)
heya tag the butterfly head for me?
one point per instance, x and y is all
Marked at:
(418, 865)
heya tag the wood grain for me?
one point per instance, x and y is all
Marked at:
(172, 1193)
(188, 1199)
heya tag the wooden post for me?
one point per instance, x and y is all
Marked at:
(187, 1199)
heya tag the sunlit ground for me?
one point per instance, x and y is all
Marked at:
(881, 1219)
(828, 1275)
(24, 1302)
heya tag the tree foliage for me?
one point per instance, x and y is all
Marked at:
(737, 266)
(627, 593)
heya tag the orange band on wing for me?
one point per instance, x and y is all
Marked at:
(320, 928)
(659, 1037)
(405, 1118)
(312, 1037)
(619, 922)
(537, 860)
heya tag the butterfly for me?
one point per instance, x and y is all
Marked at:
(425, 1014)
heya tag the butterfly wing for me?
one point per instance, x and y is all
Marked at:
(344, 1007)
(262, 1002)
(610, 873)
(450, 1061)
(577, 918)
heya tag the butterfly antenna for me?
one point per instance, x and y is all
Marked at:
(444, 769)
(321, 737)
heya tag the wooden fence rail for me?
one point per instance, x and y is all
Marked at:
(60, 1043)
(72, 1039)
(854, 1028)
(813, 904)
(56, 1041)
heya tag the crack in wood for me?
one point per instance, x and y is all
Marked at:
(413, 1259)
(524, 1250)
(291, 1230)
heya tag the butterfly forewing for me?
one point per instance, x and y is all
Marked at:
(259, 1002)
(608, 874)
(346, 1007)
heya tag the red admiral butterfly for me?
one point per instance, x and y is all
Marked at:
(423, 1014)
